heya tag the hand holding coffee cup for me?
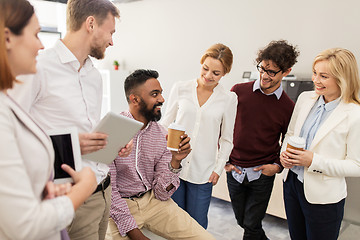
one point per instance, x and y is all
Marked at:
(296, 152)
(286, 157)
(175, 131)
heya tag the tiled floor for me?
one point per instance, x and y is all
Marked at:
(223, 226)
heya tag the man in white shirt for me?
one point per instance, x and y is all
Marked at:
(67, 91)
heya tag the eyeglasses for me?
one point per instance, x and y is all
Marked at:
(271, 73)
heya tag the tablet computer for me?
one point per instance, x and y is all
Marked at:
(120, 130)
(67, 150)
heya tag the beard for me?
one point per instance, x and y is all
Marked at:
(150, 115)
(272, 84)
(96, 50)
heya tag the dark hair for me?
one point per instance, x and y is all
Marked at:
(79, 10)
(281, 53)
(14, 15)
(137, 78)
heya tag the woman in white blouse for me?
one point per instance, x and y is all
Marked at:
(207, 111)
(31, 206)
(329, 120)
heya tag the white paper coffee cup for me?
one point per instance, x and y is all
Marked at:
(175, 131)
(297, 143)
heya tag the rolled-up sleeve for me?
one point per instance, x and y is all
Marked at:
(164, 177)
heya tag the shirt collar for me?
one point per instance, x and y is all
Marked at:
(328, 106)
(66, 56)
(129, 115)
(277, 92)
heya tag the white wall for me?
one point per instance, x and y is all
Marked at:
(51, 14)
(171, 36)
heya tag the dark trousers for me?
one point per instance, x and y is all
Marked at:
(249, 201)
(194, 199)
(308, 221)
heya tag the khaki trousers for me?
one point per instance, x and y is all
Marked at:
(91, 218)
(164, 218)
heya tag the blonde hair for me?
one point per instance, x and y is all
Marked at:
(79, 10)
(343, 66)
(222, 53)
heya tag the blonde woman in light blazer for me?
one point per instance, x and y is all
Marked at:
(314, 179)
(31, 206)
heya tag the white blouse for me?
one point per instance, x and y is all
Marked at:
(210, 128)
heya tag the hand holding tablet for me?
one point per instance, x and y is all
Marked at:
(120, 131)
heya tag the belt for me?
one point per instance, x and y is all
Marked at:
(103, 184)
(139, 195)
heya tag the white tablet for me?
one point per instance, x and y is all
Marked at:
(120, 129)
(67, 150)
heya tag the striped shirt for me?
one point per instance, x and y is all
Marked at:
(146, 168)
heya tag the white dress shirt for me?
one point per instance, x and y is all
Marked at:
(60, 96)
(210, 128)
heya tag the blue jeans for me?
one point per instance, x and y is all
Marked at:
(308, 221)
(249, 201)
(194, 199)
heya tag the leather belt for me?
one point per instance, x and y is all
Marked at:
(103, 185)
(139, 195)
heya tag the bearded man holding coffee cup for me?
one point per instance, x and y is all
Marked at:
(328, 120)
(143, 182)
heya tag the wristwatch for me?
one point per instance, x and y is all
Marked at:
(174, 170)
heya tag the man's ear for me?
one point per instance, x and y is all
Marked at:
(90, 23)
(7, 36)
(134, 99)
(286, 72)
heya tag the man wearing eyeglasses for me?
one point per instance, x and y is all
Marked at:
(263, 115)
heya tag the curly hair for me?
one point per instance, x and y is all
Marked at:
(281, 53)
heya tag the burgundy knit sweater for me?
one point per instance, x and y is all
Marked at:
(260, 121)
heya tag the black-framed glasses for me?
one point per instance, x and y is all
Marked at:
(271, 73)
